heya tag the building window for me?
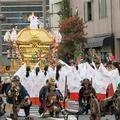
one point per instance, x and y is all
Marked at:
(17, 13)
(88, 16)
(102, 8)
(119, 3)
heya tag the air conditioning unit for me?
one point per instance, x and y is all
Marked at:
(2, 17)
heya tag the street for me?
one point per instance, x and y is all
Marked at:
(35, 115)
(82, 117)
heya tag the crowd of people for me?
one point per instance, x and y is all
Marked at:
(49, 96)
(17, 95)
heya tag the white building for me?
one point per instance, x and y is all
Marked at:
(102, 19)
(17, 12)
(54, 14)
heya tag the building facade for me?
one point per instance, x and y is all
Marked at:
(54, 14)
(17, 12)
(102, 21)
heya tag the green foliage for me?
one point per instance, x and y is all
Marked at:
(64, 9)
(73, 38)
(65, 52)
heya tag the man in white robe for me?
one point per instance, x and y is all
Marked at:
(34, 22)
(13, 36)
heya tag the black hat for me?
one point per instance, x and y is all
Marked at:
(15, 78)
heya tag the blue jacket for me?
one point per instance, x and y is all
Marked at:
(43, 93)
(22, 94)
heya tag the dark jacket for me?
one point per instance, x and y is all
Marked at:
(83, 96)
(22, 93)
(4, 87)
(59, 94)
(43, 93)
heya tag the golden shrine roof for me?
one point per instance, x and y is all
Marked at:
(27, 36)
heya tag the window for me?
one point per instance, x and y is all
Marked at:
(102, 8)
(88, 11)
(119, 3)
(17, 13)
(5, 48)
(22, 8)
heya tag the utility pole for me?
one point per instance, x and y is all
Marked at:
(44, 12)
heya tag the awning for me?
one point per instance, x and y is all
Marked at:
(99, 41)
(4, 61)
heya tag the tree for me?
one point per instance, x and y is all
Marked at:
(65, 9)
(73, 38)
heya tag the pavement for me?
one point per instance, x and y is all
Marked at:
(35, 115)
(82, 117)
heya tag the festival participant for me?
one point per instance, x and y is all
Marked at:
(84, 96)
(18, 97)
(45, 70)
(13, 36)
(49, 72)
(7, 36)
(104, 58)
(53, 98)
(116, 65)
(109, 66)
(49, 97)
(58, 67)
(94, 107)
(6, 82)
(28, 70)
(34, 22)
(117, 92)
(42, 97)
(108, 104)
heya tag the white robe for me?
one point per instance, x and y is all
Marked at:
(7, 36)
(13, 36)
(34, 22)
